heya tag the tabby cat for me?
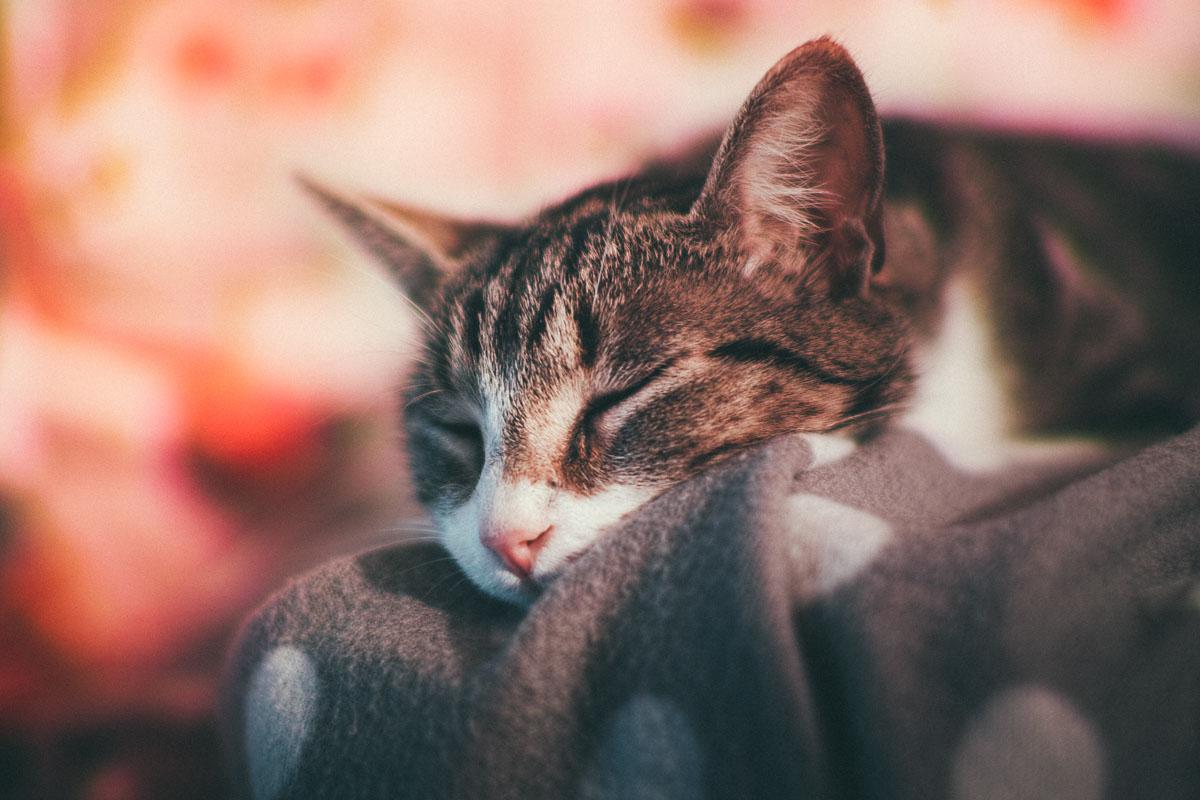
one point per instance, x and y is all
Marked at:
(579, 362)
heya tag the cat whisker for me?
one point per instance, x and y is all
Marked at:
(460, 576)
(456, 586)
(407, 539)
(413, 529)
(425, 565)
(421, 397)
(864, 416)
(423, 319)
(378, 276)
(428, 533)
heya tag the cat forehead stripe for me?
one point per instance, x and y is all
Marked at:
(537, 328)
(589, 333)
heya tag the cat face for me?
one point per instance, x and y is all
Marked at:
(577, 364)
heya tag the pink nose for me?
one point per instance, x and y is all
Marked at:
(518, 548)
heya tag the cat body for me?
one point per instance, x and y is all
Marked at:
(580, 362)
(1082, 259)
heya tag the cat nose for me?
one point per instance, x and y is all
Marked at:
(518, 548)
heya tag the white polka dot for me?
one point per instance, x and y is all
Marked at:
(280, 702)
(828, 447)
(1029, 743)
(831, 543)
(647, 752)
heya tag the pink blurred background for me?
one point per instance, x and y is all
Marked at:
(197, 377)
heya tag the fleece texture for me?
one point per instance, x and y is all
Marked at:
(790, 624)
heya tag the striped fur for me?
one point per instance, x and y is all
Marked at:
(616, 343)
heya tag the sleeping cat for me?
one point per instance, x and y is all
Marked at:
(580, 362)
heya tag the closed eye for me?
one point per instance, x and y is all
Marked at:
(451, 416)
(465, 429)
(601, 404)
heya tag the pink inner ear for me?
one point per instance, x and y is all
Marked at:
(851, 253)
(800, 174)
(809, 165)
(845, 162)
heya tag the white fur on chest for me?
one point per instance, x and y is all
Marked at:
(962, 404)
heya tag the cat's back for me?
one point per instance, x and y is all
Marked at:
(1083, 256)
(1129, 207)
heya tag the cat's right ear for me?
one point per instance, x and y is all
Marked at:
(798, 179)
(418, 247)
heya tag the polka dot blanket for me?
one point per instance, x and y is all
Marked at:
(799, 622)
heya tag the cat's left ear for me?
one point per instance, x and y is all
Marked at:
(418, 247)
(799, 176)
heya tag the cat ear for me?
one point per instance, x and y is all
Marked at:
(799, 175)
(418, 247)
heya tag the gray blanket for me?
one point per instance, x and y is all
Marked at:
(883, 625)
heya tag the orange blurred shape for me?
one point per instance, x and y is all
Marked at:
(315, 76)
(238, 421)
(205, 59)
(1106, 12)
(23, 262)
(106, 590)
(708, 26)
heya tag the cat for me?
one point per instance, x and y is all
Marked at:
(580, 362)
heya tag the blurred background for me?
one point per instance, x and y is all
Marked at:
(197, 377)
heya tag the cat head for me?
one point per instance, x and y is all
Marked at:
(580, 362)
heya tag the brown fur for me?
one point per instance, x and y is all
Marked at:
(708, 309)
